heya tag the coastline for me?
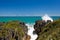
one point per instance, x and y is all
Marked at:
(23, 28)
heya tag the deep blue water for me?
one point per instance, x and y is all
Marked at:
(26, 19)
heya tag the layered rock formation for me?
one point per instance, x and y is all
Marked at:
(13, 30)
(47, 30)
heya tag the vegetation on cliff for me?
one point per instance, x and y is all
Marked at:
(48, 31)
(13, 30)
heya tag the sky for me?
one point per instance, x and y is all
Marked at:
(29, 7)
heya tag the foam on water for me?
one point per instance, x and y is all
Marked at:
(31, 27)
(30, 32)
(46, 17)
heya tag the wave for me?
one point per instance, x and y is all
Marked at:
(31, 27)
(46, 17)
(30, 31)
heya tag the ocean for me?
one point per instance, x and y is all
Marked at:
(25, 19)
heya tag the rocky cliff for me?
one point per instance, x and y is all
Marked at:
(47, 30)
(13, 30)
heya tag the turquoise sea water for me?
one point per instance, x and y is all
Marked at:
(26, 19)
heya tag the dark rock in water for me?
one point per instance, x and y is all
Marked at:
(13, 30)
(47, 30)
(48, 21)
(34, 32)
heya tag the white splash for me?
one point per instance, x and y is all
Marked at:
(46, 17)
(30, 32)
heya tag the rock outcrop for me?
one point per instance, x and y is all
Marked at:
(47, 30)
(38, 25)
(13, 30)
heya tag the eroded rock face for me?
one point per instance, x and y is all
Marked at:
(13, 30)
(47, 30)
(38, 25)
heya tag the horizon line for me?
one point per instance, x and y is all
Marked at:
(26, 15)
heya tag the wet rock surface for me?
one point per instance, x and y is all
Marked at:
(47, 30)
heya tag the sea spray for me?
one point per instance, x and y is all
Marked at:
(31, 27)
(30, 32)
(46, 17)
